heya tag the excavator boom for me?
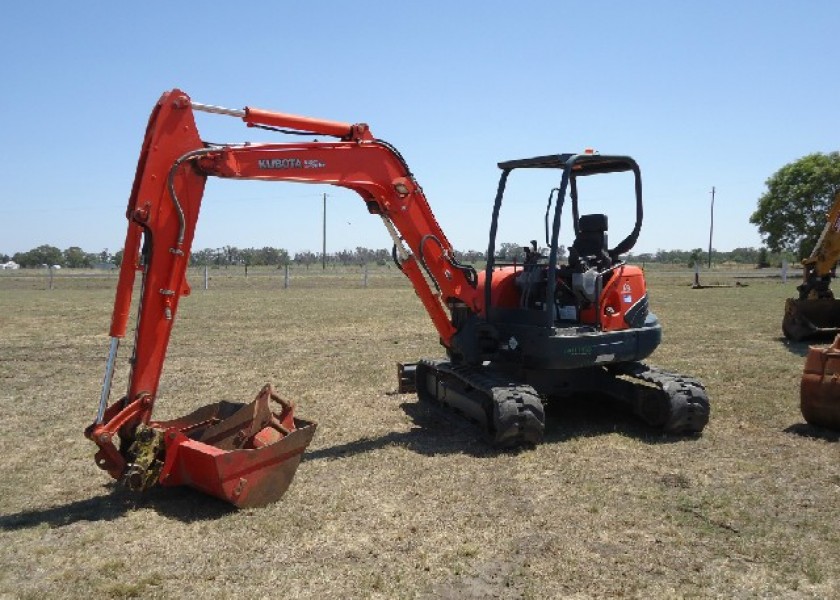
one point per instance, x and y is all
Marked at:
(162, 213)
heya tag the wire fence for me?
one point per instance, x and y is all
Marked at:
(210, 278)
(349, 277)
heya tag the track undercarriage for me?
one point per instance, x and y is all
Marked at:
(509, 407)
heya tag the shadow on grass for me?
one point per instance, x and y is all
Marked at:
(584, 416)
(815, 433)
(436, 431)
(439, 431)
(179, 503)
(801, 348)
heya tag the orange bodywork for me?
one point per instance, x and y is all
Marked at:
(820, 386)
(620, 292)
(623, 288)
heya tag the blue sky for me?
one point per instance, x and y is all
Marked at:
(702, 94)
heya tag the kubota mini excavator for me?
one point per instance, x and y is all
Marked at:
(816, 313)
(515, 335)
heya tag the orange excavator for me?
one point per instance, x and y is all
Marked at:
(816, 314)
(516, 335)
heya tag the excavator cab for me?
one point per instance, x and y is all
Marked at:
(548, 330)
(563, 294)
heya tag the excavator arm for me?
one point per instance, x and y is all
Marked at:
(819, 265)
(162, 213)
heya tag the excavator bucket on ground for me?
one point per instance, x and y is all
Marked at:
(811, 318)
(820, 388)
(245, 454)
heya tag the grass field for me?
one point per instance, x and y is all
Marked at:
(395, 499)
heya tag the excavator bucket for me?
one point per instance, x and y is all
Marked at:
(820, 388)
(811, 318)
(245, 454)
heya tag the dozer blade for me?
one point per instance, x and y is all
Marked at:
(820, 388)
(245, 454)
(406, 378)
(811, 318)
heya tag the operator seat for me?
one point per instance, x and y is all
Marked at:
(590, 247)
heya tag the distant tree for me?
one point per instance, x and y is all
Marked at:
(271, 256)
(345, 257)
(118, 257)
(696, 257)
(247, 256)
(792, 212)
(642, 258)
(742, 255)
(763, 260)
(5, 258)
(42, 255)
(674, 257)
(306, 258)
(232, 255)
(511, 251)
(76, 258)
(470, 256)
(203, 257)
(382, 257)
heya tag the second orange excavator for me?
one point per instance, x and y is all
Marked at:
(515, 335)
(816, 314)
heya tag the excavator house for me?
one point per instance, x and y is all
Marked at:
(515, 335)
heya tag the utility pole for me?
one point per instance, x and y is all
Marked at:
(711, 226)
(324, 237)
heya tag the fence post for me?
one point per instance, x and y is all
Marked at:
(366, 275)
(50, 271)
(206, 279)
(286, 277)
(784, 270)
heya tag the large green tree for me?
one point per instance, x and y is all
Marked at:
(792, 212)
(42, 255)
(76, 258)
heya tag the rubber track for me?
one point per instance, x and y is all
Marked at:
(688, 404)
(516, 418)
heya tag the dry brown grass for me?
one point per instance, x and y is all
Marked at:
(395, 499)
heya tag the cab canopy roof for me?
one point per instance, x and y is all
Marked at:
(581, 164)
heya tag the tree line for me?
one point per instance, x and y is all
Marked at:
(75, 257)
(790, 216)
